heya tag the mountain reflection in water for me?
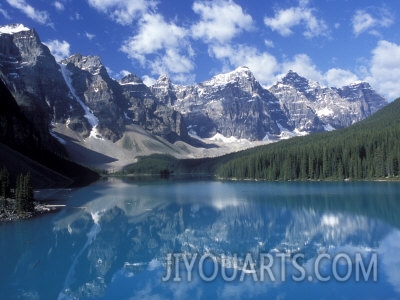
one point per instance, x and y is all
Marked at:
(113, 238)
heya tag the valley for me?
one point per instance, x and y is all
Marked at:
(79, 111)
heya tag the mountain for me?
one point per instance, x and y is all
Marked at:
(75, 102)
(232, 104)
(33, 76)
(366, 150)
(150, 113)
(312, 108)
(98, 95)
(23, 148)
(235, 104)
(77, 92)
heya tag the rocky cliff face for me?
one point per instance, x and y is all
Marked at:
(98, 94)
(150, 113)
(235, 104)
(232, 104)
(312, 108)
(79, 93)
(33, 76)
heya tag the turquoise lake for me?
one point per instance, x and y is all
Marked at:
(200, 239)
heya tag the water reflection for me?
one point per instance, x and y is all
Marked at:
(114, 237)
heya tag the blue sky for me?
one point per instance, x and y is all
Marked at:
(334, 42)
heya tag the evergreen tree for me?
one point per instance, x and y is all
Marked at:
(24, 193)
(28, 193)
(19, 194)
(4, 186)
(367, 150)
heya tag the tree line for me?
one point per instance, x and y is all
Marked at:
(367, 150)
(21, 195)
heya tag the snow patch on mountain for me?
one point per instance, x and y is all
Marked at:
(243, 73)
(13, 28)
(326, 111)
(233, 104)
(228, 140)
(299, 132)
(192, 133)
(285, 133)
(92, 119)
(131, 83)
(329, 127)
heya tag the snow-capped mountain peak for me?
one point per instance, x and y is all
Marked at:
(316, 108)
(241, 73)
(233, 104)
(299, 82)
(164, 78)
(90, 63)
(13, 28)
(130, 79)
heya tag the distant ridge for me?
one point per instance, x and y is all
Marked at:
(76, 102)
(369, 149)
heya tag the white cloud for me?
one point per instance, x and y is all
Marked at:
(123, 12)
(303, 65)
(262, 64)
(285, 19)
(123, 73)
(149, 81)
(364, 21)
(163, 47)
(339, 77)
(220, 20)
(39, 16)
(4, 13)
(267, 69)
(269, 43)
(58, 5)
(90, 36)
(381, 71)
(59, 49)
(384, 70)
(389, 258)
(177, 63)
(154, 34)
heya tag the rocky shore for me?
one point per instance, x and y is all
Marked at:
(9, 213)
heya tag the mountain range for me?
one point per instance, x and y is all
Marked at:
(103, 122)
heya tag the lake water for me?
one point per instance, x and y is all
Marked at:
(172, 239)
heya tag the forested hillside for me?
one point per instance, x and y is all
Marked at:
(367, 150)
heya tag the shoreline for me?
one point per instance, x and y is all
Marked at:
(9, 213)
(215, 177)
(43, 199)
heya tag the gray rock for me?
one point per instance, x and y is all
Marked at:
(34, 78)
(233, 104)
(152, 113)
(312, 108)
(80, 93)
(101, 94)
